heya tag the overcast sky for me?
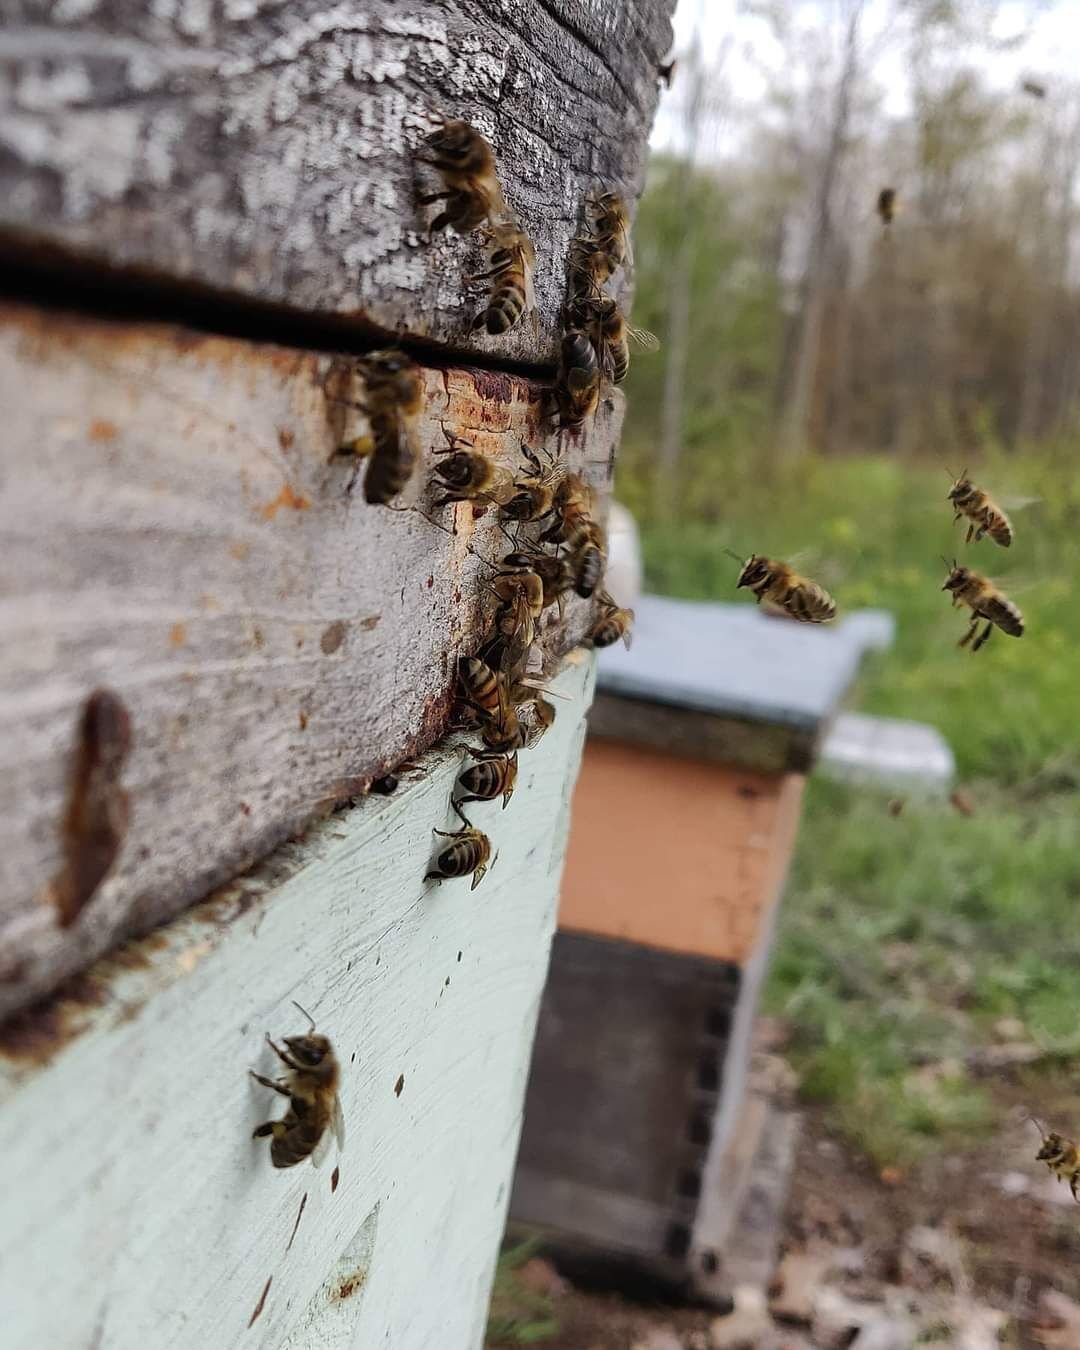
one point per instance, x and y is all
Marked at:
(1051, 49)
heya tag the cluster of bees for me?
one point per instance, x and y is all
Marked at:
(546, 512)
(778, 584)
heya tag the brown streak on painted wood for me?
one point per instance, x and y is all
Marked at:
(676, 854)
(267, 151)
(217, 507)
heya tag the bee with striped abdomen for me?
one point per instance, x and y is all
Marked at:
(985, 601)
(513, 261)
(984, 514)
(555, 572)
(1060, 1155)
(393, 399)
(486, 692)
(472, 193)
(521, 596)
(314, 1113)
(533, 495)
(572, 508)
(612, 624)
(610, 228)
(610, 334)
(493, 775)
(577, 386)
(466, 475)
(467, 854)
(780, 585)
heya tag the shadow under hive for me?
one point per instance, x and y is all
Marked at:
(626, 1079)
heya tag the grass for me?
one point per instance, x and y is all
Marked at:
(904, 938)
(517, 1315)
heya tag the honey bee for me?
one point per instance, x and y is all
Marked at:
(556, 573)
(486, 691)
(588, 267)
(984, 515)
(611, 335)
(782, 586)
(521, 594)
(577, 387)
(534, 495)
(887, 205)
(572, 507)
(513, 261)
(1060, 1155)
(985, 601)
(529, 693)
(394, 397)
(610, 228)
(467, 854)
(612, 623)
(314, 1114)
(472, 195)
(492, 775)
(467, 475)
(589, 561)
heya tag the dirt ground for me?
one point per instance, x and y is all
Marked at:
(969, 1243)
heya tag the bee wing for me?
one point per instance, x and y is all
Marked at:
(647, 341)
(530, 289)
(1019, 503)
(335, 1132)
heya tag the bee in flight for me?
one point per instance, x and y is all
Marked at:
(611, 624)
(985, 601)
(472, 194)
(779, 584)
(468, 853)
(984, 515)
(394, 397)
(492, 776)
(1060, 1155)
(513, 262)
(314, 1113)
(887, 205)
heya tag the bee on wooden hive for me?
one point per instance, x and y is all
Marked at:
(609, 229)
(612, 624)
(1060, 1155)
(985, 601)
(530, 693)
(468, 853)
(577, 386)
(521, 595)
(393, 400)
(513, 262)
(466, 475)
(493, 775)
(601, 317)
(534, 494)
(780, 585)
(486, 691)
(984, 514)
(472, 194)
(556, 573)
(314, 1114)
(887, 205)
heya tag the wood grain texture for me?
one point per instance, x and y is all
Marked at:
(133, 1183)
(267, 149)
(177, 529)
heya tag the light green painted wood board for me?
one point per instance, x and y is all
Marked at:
(138, 1210)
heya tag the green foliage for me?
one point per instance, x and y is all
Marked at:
(516, 1315)
(904, 938)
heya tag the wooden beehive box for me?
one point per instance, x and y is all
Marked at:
(639, 1135)
(206, 213)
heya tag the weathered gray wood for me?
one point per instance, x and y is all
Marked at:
(266, 149)
(138, 1210)
(175, 527)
